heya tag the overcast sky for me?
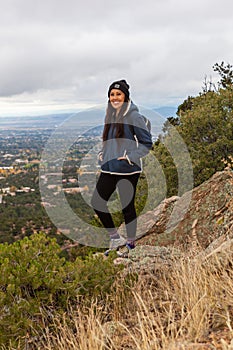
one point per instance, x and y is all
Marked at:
(61, 55)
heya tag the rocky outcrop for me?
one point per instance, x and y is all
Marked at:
(204, 232)
(148, 259)
(209, 216)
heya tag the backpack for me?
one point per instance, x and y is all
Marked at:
(148, 123)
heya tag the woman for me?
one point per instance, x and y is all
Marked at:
(126, 140)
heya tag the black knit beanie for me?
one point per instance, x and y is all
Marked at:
(120, 85)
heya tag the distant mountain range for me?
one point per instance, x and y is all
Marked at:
(83, 118)
(166, 111)
(42, 121)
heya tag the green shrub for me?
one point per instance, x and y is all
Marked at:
(34, 278)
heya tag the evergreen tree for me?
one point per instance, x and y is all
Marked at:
(205, 123)
(226, 73)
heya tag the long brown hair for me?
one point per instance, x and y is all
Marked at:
(110, 118)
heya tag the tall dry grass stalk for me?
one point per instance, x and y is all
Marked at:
(83, 332)
(177, 307)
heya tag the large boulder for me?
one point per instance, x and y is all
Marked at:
(209, 216)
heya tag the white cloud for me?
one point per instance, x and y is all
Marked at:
(63, 54)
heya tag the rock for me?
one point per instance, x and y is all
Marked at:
(211, 201)
(209, 216)
(219, 251)
(149, 258)
(152, 220)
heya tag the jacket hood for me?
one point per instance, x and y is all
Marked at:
(131, 108)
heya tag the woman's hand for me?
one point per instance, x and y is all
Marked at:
(125, 158)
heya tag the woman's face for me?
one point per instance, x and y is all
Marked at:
(117, 99)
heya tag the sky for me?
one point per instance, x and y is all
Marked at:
(62, 55)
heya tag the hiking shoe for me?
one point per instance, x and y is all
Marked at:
(115, 244)
(124, 251)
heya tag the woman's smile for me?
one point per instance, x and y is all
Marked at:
(117, 99)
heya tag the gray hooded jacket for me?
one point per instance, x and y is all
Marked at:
(134, 145)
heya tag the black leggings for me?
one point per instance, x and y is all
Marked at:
(126, 185)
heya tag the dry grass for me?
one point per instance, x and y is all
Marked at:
(188, 306)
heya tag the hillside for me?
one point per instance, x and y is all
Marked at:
(182, 299)
(173, 292)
